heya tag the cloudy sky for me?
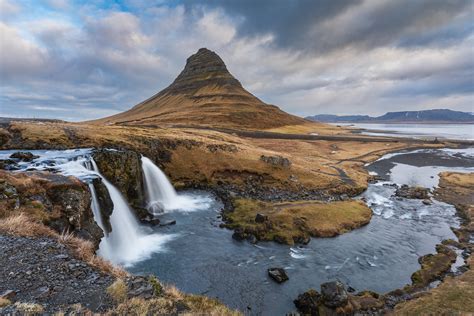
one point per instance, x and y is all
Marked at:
(78, 60)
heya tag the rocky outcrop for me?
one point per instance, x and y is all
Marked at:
(124, 170)
(412, 192)
(276, 161)
(62, 203)
(308, 302)
(335, 300)
(334, 294)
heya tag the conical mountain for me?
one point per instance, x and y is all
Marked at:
(205, 94)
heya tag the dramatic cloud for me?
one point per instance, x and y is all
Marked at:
(64, 60)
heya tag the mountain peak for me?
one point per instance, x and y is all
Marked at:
(205, 94)
(202, 69)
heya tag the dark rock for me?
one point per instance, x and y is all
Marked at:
(466, 253)
(124, 170)
(8, 164)
(276, 161)
(239, 234)
(173, 222)
(259, 218)
(278, 274)
(143, 287)
(412, 192)
(63, 202)
(302, 239)
(150, 220)
(74, 200)
(222, 147)
(307, 303)
(350, 289)
(8, 294)
(334, 294)
(23, 156)
(252, 239)
(427, 202)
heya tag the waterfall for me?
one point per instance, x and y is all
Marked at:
(128, 242)
(160, 193)
(162, 197)
(96, 208)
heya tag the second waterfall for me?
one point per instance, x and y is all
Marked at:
(161, 195)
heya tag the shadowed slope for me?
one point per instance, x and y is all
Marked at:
(205, 94)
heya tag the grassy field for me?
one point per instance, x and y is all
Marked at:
(207, 156)
(288, 222)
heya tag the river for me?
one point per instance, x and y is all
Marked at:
(199, 257)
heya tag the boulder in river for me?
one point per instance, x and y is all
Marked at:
(23, 156)
(426, 202)
(278, 274)
(408, 192)
(150, 220)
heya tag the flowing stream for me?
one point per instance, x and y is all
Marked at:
(199, 257)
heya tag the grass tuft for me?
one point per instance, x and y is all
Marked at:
(4, 302)
(29, 308)
(22, 225)
(118, 291)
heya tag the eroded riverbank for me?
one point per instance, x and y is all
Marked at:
(202, 258)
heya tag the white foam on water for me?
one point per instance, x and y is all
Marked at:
(297, 253)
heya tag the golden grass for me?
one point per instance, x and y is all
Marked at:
(290, 220)
(4, 302)
(202, 305)
(455, 296)
(309, 127)
(313, 162)
(29, 308)
(118, 291)
(196, 305)
(22, 225)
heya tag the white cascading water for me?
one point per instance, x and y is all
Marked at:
(128, 242)
(96, 209)
(161, 195)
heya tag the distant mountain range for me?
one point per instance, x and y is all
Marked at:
(427, 116)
